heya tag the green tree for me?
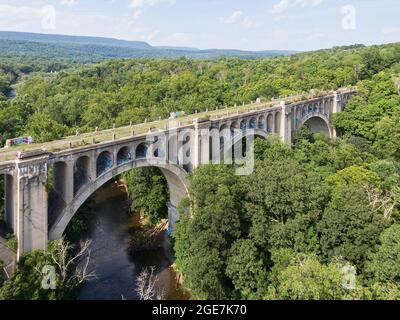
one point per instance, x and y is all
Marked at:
(247, 269)
(350, 227)
(148, 189)
(205, 234)
(42, 128)
(354, 175)
(385, 262)
(305, 278)
(279, 191)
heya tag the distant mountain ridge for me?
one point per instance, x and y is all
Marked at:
(105, 48)
(56, 38)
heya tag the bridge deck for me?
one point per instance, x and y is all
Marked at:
(126, 131)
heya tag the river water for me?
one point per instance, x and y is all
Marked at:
(117, 270)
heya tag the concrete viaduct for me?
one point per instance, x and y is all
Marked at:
(44, 189)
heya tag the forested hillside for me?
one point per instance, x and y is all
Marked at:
(308, 210)
(49, 106)
(95, 49)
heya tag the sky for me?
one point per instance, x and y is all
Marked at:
(225, 24)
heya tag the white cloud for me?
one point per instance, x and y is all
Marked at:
(179, 38)
(391, 30)
(152, 35)
(238, 17)
(143, 3)
(19, 18)
(69, 3)
(284, 5)
(316, 35)
(137, 14)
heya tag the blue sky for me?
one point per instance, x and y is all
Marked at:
(235, 24)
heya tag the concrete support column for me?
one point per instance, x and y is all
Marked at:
(273, 122)
(289, 126)
(93, 166)
(283, 125)
(69, 182)
(165, 147)
(31, 200)
(10, 188)
(196, 153)
(215, 146)
(173, 217)
(114, 155)
(335, 109)
(173, 146)
(204, 146)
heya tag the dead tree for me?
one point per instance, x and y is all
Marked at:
(64, 260)
(146, 285)
(385, 202)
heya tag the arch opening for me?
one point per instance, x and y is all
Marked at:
(81, 173)
(57, 185)
(142, 151)
(243, 125)
(234, 126)
(178, 186)
(124, 155)
(253, 123)
(261, 123)
(104, 163)
(318, 125)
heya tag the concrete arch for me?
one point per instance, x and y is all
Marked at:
(60, 178)
(256, 132)
(234, 126)
(253, 123)
(124, 155)
(141, 150)
(318, 123)
(81, 172)
(229, 152)
(243, 124)
(304, 110)
(261, 123)
(104, 162)
(178, 185)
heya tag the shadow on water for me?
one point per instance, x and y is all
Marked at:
(116, 269)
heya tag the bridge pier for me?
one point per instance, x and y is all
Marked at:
(11, 188)
(173, 217)
(31, 205)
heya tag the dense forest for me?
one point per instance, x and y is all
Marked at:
(95, 49)
(288, 230)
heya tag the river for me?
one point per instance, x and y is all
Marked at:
(117, 270)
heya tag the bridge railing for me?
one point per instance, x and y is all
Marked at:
(109, 135)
